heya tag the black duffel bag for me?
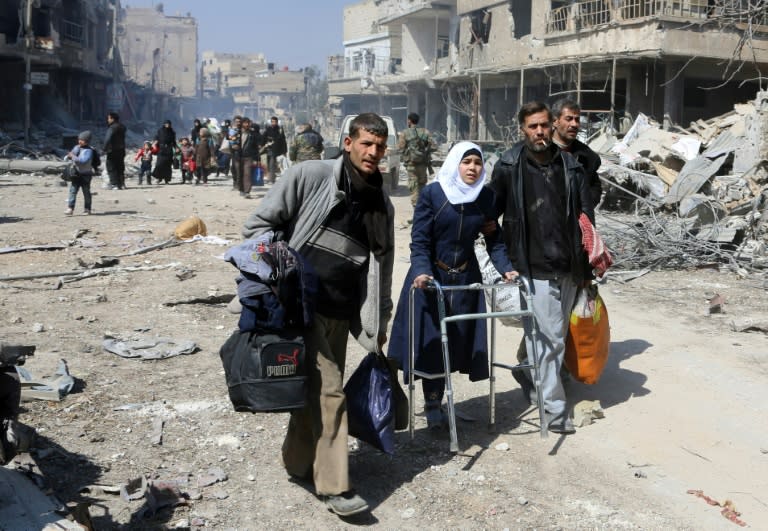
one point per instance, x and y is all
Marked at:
(265, 371)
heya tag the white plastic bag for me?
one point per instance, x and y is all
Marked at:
(507, 297)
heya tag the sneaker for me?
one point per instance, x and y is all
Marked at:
(560, 423)
(346, 503)
(87, 212)
(68, 212)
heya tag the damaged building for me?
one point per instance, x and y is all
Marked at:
(58, 60)
(467, 65)
(256, 87)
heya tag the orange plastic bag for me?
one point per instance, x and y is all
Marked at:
(589, 338)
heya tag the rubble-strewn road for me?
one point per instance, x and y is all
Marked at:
(683, 395)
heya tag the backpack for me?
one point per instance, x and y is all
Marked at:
(95, 159)
(314, 139)
(416, 146)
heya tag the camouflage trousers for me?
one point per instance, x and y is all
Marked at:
(417, 180)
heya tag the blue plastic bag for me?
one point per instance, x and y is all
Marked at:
(370, 403)
(257, 175)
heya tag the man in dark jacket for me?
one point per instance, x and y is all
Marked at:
(541, 191)
(114, 148)
(250, 140)
(567, 123)
(274, 145)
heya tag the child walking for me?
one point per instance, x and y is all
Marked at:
(146, 154)
(82, 156)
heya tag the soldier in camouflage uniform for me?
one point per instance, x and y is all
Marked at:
(307, 145)
(416, 147)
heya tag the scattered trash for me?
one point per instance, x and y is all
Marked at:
(586, 412)
(716, 303)
(54, 389)
(213, 475)
(729, 509)
(134, 489)
(190, 227)
(210, 299)
(150, 349)
(157, 432)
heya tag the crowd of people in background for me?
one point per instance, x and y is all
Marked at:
(236, 147)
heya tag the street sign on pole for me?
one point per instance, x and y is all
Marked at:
(38, 78)
(115, 96)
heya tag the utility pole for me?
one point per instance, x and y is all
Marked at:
(29, 41)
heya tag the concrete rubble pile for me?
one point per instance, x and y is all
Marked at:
(47, 149)
(699, 195)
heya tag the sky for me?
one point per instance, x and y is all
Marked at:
(293, 33)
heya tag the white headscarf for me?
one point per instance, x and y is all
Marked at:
(456, 190)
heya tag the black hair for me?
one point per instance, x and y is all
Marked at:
(371, 122)
(414, 118)
(530, 108)
(114, 116)
(566, 103)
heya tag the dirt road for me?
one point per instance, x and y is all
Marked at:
(684, 397)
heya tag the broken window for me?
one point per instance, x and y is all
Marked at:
(480, 26)
(443, 45)
(521, 17)
(357, 61)
(370, 61)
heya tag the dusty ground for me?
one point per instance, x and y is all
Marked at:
(683, 395)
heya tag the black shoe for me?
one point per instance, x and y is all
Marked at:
(346, 503)
(437, 419)
(560, 423)
(529, 391)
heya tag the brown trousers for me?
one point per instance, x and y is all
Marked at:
(246, 166)
(316, 441)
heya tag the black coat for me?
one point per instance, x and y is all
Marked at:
(507, 181)
(275, 135)
(591, 162)
(166, 141)
(114, 141)
(250, 148)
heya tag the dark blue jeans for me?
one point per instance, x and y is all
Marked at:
(80, 182)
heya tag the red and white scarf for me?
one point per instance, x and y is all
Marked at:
(599, 257)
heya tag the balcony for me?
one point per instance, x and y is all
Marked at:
(590, 14)
(72, 32)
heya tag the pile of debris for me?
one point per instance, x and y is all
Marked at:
(698, 196)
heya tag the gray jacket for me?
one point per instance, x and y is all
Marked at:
(297, 204)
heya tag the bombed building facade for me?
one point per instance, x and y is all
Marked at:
(60, 52)
(467, 65)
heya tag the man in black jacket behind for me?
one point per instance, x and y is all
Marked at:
(567, 123)
(114, 148)
(275, 145)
